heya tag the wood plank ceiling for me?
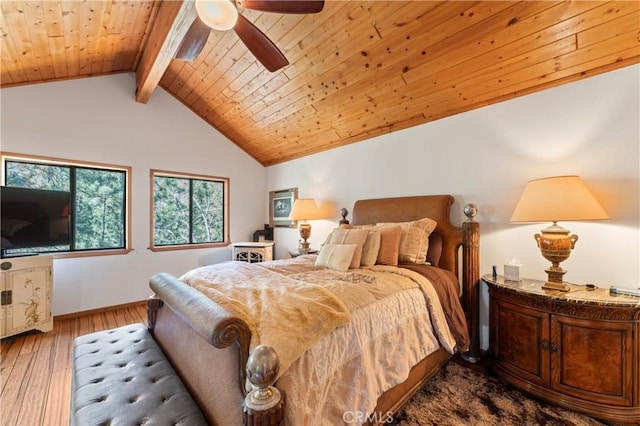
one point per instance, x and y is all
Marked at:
(357, 70)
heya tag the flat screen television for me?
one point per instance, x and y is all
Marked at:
(34, 220)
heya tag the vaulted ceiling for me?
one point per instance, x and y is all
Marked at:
(358, 69)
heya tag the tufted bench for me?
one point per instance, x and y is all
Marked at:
(121, 377)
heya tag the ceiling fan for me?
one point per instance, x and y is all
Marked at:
(223, 15)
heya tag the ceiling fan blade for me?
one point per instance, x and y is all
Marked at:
(259, 44)
(290, 6)
(193, 41)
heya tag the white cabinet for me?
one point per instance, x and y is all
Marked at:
(252, 252)
(25, 285)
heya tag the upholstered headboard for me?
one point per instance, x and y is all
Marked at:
(404, 209)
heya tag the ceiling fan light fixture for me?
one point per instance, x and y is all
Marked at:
(220, 15)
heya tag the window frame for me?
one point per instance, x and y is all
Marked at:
(191, 176)
(52, 161)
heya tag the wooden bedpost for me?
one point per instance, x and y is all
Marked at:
(471, 280)
(264, 404)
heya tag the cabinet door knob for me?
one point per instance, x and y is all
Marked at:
(554, 347)
(545, 345)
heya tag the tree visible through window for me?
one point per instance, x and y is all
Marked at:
(98, 194)
(188, 210)
(100, 209)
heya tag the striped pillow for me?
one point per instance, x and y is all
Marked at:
(414, 239)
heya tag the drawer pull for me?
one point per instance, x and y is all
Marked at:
(5, 297)
(549, 346)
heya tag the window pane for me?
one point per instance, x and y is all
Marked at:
(171, 210)
(100, 209)
(208, 211)
(38, 176)
(188, 210)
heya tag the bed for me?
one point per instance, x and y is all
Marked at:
(209, 340)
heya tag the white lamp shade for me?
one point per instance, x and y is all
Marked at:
(560, 198)
(220, 15)
(305, 209)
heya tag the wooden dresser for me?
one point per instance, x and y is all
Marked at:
(578, 349)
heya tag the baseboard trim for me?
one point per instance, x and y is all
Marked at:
(98, 310)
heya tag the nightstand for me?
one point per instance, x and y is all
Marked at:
(578, 349)
(296, 253)
(252, 252)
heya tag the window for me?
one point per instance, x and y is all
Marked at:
(99, 195)
(189, 211)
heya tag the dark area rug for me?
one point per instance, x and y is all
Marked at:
(459, 395)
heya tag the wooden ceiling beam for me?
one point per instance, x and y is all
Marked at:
(173, 20)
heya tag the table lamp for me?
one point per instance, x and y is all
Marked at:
(305, 209)
(560, 198)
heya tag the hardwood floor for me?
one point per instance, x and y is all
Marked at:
(35, 367)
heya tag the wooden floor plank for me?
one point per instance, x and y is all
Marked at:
(10, 350)
(137, 315)
(110, 320)
(15, 388)
(38, 384)
(66, 334)
(36, 367)
(123, 317)
(30, 343)
(84, 325)
(97, 322)
(56, 411)
(7, 346)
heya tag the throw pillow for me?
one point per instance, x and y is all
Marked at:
(389, 245)
(336, 256)
(414, 240)
(351, 236)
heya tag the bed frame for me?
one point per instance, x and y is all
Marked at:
(209, 347)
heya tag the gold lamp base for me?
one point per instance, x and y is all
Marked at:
(555, 245)
(305, 233)
(555, 282)
(556, 286)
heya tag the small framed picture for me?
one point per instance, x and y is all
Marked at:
(280, 205)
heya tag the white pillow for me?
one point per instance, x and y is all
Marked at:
(370, 248)
(351, 236)
(336, 256)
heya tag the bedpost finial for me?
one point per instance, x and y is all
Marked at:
(263, 366)
(470, 210)
(344, 212)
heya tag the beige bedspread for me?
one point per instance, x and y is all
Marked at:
(291, 304)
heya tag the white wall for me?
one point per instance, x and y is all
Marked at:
(590, 128)
(97, 119)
